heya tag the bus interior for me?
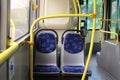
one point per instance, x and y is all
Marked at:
(59, 40)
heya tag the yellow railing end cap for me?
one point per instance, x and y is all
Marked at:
(27, 42)
(92, 15)
(34, 7)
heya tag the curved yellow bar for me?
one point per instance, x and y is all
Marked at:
(47, 17)
(13, 29)
(75, 6)
(80, 12)
(91, 43)
(76, 11)
(102, 31)
(7, 53)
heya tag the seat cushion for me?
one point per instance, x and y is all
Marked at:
(73, 43)
(74, 69)
(46, 68)
(45, 42)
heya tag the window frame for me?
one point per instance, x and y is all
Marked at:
(4, 23)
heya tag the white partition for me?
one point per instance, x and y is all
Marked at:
(53, 7)
(109, 58)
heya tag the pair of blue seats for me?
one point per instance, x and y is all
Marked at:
(72, 53)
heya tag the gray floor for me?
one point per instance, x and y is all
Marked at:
(97, 72)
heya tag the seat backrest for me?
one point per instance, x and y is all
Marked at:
(72, 50)
(45, 44)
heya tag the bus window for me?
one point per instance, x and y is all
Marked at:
(118, 16)
(19, 18)
(34, 13)
(113, 16)
(90, 10)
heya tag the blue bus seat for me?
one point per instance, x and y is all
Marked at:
(72, 56)
(45, 53)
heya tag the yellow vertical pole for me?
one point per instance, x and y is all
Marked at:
(31, 51)
(91, 44)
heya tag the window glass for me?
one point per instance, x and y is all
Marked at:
(118, 17)
(113, 16)
(84, 10)
(90, 10)
(19, 18)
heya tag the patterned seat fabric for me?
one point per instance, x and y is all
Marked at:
(73, 43)
(74, 69)
(46, 68)
(45, 42)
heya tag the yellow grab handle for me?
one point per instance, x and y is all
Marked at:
(102, 31)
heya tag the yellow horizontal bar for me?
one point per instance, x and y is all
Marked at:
(117, 40)
(7, 53)
(63, 15)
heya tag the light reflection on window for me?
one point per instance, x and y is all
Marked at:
(19, 15)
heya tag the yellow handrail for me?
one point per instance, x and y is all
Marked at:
(75, 6)
(7, 53)
(80, 12)
(47, 17)
(102, 31)
(91, 44)
(13, 29)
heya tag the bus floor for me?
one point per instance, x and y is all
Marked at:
(97, 72)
